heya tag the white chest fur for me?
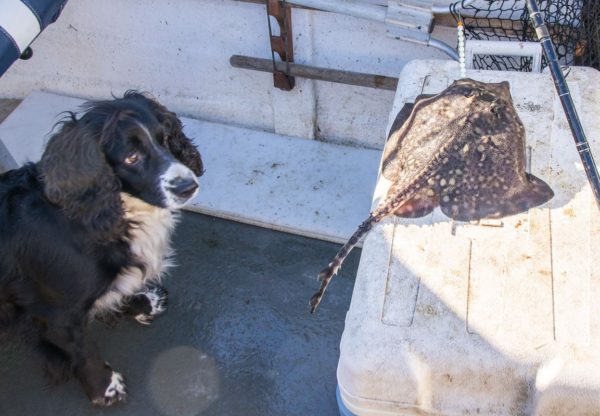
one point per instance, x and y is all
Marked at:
(150, 243)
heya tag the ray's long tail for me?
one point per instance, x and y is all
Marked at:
(396, 197)
(331, 270)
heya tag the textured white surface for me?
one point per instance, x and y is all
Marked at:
(6, 160)
(305, 187)
(496, 318)
(180, 50)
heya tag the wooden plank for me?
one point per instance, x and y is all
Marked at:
(321, 74)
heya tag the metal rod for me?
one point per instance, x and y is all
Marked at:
(581, 142)
(372, 12)
(354, 8)
(320, 74)
(446, 9)
(434, 9)
(444, 47)
(264, 1)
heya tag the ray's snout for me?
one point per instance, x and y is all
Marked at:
(183, 188)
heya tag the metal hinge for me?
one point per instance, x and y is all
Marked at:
(282, 44)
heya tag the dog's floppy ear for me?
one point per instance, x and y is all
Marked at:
(181, 147)
(77, 177)
(176, 141)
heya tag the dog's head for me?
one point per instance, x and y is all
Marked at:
(131, 144)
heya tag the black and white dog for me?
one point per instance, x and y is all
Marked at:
(86, 231)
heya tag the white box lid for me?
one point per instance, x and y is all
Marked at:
(496, 318)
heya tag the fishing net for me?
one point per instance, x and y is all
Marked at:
(573, 24)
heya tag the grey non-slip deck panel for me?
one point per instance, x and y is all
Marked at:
(237, 337)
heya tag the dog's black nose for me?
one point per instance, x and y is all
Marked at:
(183, 187)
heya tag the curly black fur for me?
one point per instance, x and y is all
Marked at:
(64, 238)
(79, 180)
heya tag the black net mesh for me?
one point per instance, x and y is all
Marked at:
(573, 24)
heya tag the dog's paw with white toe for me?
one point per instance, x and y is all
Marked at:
(157, 298)
(115, 392)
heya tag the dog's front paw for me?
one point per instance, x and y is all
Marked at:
(115, 392)
(157, 299)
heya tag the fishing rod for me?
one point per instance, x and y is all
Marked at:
(581, 142)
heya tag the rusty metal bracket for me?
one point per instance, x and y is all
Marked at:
(282, 44)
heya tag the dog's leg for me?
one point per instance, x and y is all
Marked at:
(147, 304)
(68, 350)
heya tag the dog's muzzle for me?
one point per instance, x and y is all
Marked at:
(179, 185)
(183, 188)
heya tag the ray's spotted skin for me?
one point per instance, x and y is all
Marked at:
(464, 150)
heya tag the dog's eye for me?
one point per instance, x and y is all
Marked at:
(132, 158)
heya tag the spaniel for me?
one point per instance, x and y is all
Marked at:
(85, 232)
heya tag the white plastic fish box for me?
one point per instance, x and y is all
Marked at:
(499, 317)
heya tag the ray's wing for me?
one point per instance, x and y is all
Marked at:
(494, 199)
(420, 204)
(418, 151)
(486, 176)
(400, 127)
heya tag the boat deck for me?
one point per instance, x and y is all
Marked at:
(237, 337)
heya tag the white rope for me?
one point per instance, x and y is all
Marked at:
(461, 49)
